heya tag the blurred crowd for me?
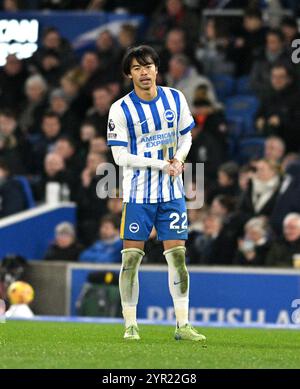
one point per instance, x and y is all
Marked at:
(243, 91)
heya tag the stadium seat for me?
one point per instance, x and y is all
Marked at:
(242, 107)
(224, 86)
(27, 191)
(250, 148)
(243, 85)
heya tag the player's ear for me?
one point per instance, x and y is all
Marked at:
(129, 76)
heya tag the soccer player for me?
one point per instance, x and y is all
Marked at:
(149, 131)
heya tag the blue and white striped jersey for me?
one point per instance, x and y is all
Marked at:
(150, 129)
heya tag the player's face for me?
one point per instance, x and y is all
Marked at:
(143, 76)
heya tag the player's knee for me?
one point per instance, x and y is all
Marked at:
(131, 258)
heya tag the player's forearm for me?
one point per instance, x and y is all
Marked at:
(184, 145)
(123, 158)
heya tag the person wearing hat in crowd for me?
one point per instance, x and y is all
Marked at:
(65, 246)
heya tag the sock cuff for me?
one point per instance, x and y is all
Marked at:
(141, 252)
(177, 248)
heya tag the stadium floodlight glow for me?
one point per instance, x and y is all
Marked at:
(18, 37)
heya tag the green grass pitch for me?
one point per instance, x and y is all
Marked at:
(78, 345)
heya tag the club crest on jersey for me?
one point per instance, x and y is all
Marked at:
(134, 228)
(169, 115)
(111, 125)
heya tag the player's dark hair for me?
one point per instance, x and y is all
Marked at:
(51, 114)
(145, 55)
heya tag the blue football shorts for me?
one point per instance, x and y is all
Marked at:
(169, 219)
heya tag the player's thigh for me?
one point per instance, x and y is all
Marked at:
(171, 221)
(136, 244)
(137, 221)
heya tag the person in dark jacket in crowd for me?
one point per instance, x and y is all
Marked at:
(279, 111)
(98, 114)
(90, 208)
(273, 53)
(262, 192)
(65, 246)
(51, 131)
(284, 249)
(69, 119)
(12, 78)
(54, 171)
(108, 248)
(208, 247)
(249, 41)
(154, 250)
(35, 104)
(232, 228)
(227, 183)
(12, 198)
(255, 245)
(288, 197)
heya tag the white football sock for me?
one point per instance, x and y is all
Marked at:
(129, 283)
(178, 283)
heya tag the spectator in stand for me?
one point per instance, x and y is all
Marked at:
(279, 112)
(250, 41)
(288, 197)
(274, 149)
(208, 247)
(108, 248)
(175, 44)
(69, 120)
(260, 197)
(225, 207)
(213, 52)
(12, 145)
(255, 245)
(71, 83)
(181, 75)
(35, 106)
(12, 77)
(87, 132)
(209, 137)
(290, 30)
(98, 114)
(51, 131)
(54, 171)
(115, 204)
(98, 145)
(173, 14)
(107, 50)
(245, 174)
(227, 182)
(90, 207)
(50, 67)
(66, 148)
(65, 247)
(12, 5)
(12, 198)
(273, 53)
(54, 43)
(93, 76)
(284, 248)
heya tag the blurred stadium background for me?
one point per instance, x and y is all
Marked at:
(59, 74)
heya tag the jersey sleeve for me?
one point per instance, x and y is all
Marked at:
(117, 133)
(186, 121)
